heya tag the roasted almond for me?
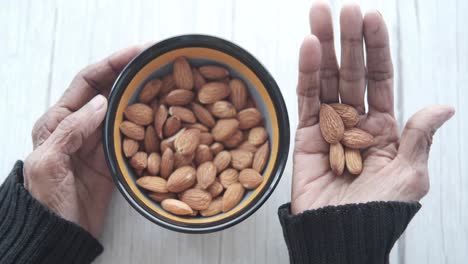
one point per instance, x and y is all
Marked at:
(203, 154)
(212, 92)
(248, 146)
(139, 161)
(215, 189)
(232, 196)
(168, 84)
(152, 183)
(198, 126)
(353, 161)
(130, 147)
(331, 125)
(223, 109)
(154, 163)
(216, 147)
(132, 130)
(179, 97)
(337, 158)
(139, 114)
(150, 90)
(228, 177)
(172, 126)
(215, 207)
(181, 160)
(182, 113)
(197, 199)
(159, 119)
(188, 141)
(261, 157)
(250, 178)
(357, 138)
(249, 117)
(206, 138)
(198, 80)
(206, 174)
(224, 128)
(257, 135)
(241, 159)
(213, 72)
(238, 95)
(222, 160)
(151, 141)
(159, 197)
(181, 179)
(234, 140)
(167, 163)
(154, 105)
(203, 115)
(348, 114)
(182, 73)
(176, 207)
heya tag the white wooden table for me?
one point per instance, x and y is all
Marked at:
(44, 43)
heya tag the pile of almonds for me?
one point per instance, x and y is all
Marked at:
(196, 140)
(337, 124)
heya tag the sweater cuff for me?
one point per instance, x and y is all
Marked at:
(31, 233)
(353, 233)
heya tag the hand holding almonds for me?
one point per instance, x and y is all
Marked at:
(196, 140)
(337, 124)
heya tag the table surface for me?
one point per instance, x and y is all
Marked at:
(44, 43)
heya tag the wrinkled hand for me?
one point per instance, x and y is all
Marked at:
(395, 169)
(67, 171)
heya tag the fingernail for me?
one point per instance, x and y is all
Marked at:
(98, 102)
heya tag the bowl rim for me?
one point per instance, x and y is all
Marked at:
(222, 45)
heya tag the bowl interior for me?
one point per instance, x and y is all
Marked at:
(160, 66)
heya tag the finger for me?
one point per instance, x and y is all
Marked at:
(75, 128)
(352, 70)
(94, 79)
(308, 88)
(321, 25)
(379, 64)
(419, 130)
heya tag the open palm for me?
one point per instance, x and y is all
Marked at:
(395, 169)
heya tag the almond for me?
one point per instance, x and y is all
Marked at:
(224, 128)
(241, 159)
(331, 125)
(154, 105)
(232, 196)
(132, 130)
(212, 92)
(353, 161)
(187, 142)
(238, 94)
(139, 161)
(228, 177)
(197, 199)
(203, 115)
(154, 163)
(222, 160)
(176, 207)
(337, 159)
(179, 97)
(172, 126)
(181, 179)
(249, 117)
(215, 207)
(167, 163)
(182, 73)
(130, 147)
(257, 135)
(250, 178)
(151, 141)
(150, 90)
(234, 140)
(216, 148)
(182, 113)
(168, 84)
(139, 114)
(215, 189)
(206, 174)
(206, 138)
(159, 119)
(248, 146)
(223, 109)
(151, 183)
(198, 80)
(213, 72)
(181, 160)
(159, 197)
(261, 157)
(203, 154)
(348, 114)
(198, 126)
(357, 139)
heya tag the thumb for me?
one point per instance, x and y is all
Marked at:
(70, 134)
(417, 136)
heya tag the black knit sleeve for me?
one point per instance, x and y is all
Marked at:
(351, 234)
(30, 233)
